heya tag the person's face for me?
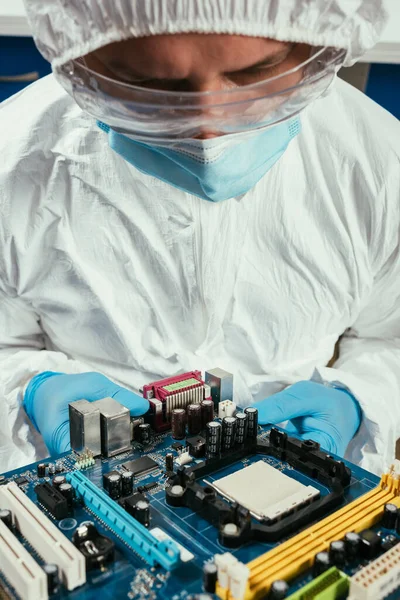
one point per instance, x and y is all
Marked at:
(201, 63)
(196, 62)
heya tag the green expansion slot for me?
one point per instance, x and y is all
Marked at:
(331, 585)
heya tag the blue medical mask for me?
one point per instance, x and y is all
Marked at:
(214, 169)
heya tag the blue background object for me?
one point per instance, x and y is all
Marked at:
(384, 87)
(19, 55)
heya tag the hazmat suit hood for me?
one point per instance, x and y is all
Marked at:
(67, 29)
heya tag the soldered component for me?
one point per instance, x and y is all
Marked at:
(378, 579)
(84, 426)
(178, 423)
(207, 412)
(390, 516)
(322, 562)
(173, 392)
(143, 434)
(226, 408)
(97, 549)
(140, 466)
(41, 470)
(52, 499)
(370, 544)
(193, 412)
(352, 544)
(265, 491)
(115, 426)
(53, 580)
(228, 433)
(67, 491)
(183, 459)
(126, 483)
(169, 462)
(112, 483)
(252, 426)
(58, 480)
(6, 517)
(213, 438)
(331, 584)
(221, 384)
(142, 512)
(241, 427)
(337, 553)
(196, 446)
(210, 572)
(85, 459)
(279, 590)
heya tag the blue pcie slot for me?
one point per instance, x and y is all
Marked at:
(133, 533)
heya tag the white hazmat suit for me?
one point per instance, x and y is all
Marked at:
(104, 268)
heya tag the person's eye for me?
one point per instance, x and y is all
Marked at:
(254, 73)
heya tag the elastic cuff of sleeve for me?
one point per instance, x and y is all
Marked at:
(31, 390)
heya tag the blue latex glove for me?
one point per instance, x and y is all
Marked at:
(327, 415)
(48, 395)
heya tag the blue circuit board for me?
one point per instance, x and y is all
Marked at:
(129, 576)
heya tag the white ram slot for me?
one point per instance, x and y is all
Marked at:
(48, 541)
(19, 568)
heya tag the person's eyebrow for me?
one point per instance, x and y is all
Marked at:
(273, 59)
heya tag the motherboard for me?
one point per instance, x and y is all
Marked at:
(196, 501)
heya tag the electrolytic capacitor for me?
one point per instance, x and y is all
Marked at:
(41, 470)
(114, 485)
(169, 462)
(178, 423)
(228, 433)
(279, 590)
(59, 467)
(322, 563)
(143, 434)
(213, 438)
(390, 516)
(207, 412)
(6, 517)
(68, 492)
(252, 416)
(58, 480)
(194, 418)
(210, 573)
(337, 553)
(127, 483)
(241, 427)
(52, 469)
(352, 545)
(53, 581)
(142, 512)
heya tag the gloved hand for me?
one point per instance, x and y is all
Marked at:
(324, 414)
(48, 395)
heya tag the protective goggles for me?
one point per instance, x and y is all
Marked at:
(157, 116)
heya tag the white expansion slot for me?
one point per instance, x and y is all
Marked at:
(19, 568)
(44, 537)
(378, 579)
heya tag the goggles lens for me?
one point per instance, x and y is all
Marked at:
(155, 116)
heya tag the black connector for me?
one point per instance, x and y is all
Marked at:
(53, 500)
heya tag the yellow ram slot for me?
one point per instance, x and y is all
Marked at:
(296, 555)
